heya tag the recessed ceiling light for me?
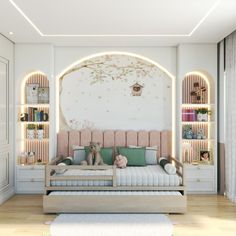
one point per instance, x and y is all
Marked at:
(11, 33)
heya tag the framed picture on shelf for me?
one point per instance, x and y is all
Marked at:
(43, 95)
(32, 93)
(205, 157)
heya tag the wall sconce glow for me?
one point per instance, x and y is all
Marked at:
(132, 55)
(115, 35)
(11, 33)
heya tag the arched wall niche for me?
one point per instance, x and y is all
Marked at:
(39, 147)
(198, 97)
(204, 79)
(96, 92)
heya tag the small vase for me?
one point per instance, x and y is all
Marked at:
(23, 158)
(205, 117)
(40, 133)
(30, 133)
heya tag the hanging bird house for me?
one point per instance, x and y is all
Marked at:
(136, 89)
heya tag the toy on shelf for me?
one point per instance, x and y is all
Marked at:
(201, 134)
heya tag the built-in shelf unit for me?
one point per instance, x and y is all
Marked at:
(198, 133)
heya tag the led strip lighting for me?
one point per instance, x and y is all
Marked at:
(114, 35)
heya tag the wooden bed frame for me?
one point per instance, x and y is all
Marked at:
(111, 203)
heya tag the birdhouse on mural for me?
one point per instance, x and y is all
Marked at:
(136, 89)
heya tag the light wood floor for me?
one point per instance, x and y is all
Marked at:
(207, 216)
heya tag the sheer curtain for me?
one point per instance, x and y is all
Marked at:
(230, 134)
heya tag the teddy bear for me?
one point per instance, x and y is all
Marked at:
(94, 157)
(120, 161)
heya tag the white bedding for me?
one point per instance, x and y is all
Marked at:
(151, 175)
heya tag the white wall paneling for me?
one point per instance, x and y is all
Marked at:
(6, 118)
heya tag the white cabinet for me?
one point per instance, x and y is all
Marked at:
(200, 179)
(30, 179)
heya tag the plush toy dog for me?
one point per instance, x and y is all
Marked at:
(94, 156)
(120, 161)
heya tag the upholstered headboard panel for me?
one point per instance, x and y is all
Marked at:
(108, 138)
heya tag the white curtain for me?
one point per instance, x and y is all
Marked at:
(230, 134)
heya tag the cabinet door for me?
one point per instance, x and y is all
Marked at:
(5, 150)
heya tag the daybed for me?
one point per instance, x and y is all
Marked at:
(147, 189)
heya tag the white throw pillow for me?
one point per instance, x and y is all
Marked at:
(79, 154)
(151, 155)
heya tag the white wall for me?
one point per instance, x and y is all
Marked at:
(53, 60)
(7, 52)
(165, 56)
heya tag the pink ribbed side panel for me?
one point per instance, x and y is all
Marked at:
(132, 138)
(143, 138)
(85, 137)
(74, 139)
(155, 140)
(97, 136)
(120, 138)
(63, 143)
(109, 138)
(165, 143)
(188, 87)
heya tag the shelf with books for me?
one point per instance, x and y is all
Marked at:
(33, 117)
(34, 122)
(198, 132)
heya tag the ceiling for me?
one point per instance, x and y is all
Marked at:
(117, 22)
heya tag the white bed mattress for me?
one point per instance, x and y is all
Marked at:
(115, 193)
(151, 175)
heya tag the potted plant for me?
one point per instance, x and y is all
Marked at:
(30, 131)
(202, 114)
(40, 132)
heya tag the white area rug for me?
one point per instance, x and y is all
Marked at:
(111, 224)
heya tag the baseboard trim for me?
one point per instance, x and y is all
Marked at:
(6, 194)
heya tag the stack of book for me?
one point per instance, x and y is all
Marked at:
(189, 114)
(34, 114)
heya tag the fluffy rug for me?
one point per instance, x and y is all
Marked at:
(111, 224)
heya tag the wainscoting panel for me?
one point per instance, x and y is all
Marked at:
(4, 173)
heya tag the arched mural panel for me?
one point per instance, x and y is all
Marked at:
(115, 91)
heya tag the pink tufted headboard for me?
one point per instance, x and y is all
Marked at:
(108, 138)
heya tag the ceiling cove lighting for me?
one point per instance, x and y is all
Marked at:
(115, 35)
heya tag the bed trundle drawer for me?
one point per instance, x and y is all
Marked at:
(114, 203)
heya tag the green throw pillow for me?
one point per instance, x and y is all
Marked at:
(106, 153)
(135, 156)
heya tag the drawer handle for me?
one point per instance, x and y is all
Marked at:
(199, 168)
(32, 180)
(32, 168)
(198, 180)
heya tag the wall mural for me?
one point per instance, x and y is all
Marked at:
(115, 92)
